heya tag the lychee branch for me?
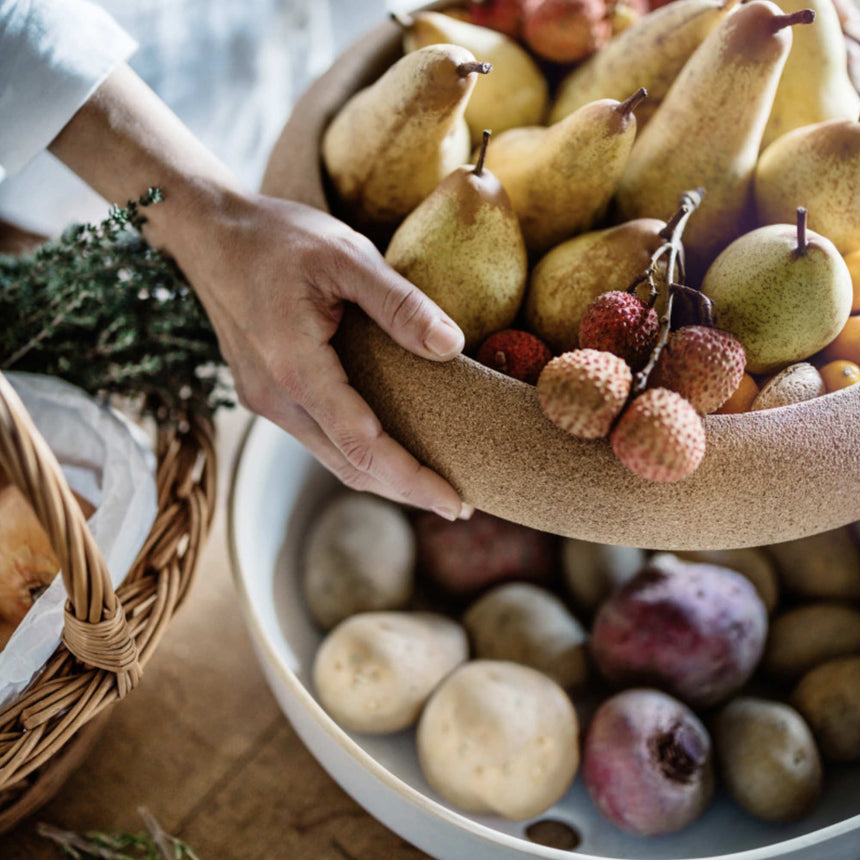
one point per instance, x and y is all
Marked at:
(674, 276)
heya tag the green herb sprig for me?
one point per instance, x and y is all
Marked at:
(104, 310)
(155, 844)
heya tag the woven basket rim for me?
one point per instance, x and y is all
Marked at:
(114, 632)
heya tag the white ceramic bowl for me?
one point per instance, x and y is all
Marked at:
(276, 489)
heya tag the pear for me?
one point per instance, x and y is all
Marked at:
(463, 247)
(815, 85)
(392, 143)
(817, 166)
(516, 94)
(568, 278)
(650, 53)
(783, 291)
(561, 178)
(708, 130)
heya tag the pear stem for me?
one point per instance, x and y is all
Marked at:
(802, 243)
(479, 164)
(630, 104)
(802, 16)
(465, 69)
(674, 251)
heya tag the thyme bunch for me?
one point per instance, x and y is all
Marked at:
(102, 309)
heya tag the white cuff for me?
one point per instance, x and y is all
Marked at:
(53, 55)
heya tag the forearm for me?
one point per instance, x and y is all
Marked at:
(125, 140)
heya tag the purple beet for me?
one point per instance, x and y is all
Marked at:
(647, 762)
(696, 631)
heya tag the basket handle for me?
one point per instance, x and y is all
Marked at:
(95, 629)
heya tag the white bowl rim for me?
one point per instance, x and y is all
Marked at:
(341, 738)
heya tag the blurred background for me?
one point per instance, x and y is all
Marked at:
(231, 71)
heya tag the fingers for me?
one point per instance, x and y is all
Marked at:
(356, 433)
(401, 309)
(296, 421)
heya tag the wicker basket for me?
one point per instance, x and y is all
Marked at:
(109, 635)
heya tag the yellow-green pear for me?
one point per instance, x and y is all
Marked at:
(649, 53)
(818, 167)
(570, 276)
(561, 178)
(393, 142)
(783, 291)
(815, 85)
(515, 94)
(707, 132)
(463, 247)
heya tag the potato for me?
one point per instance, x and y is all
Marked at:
(753, 563)
(526, 624)
(829, 699)
(768, 758)
(823, 565)
(592, 571)
(802, 638)
(496, 737)
(359, 557)
(375, 670)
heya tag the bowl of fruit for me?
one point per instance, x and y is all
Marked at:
(651, 258)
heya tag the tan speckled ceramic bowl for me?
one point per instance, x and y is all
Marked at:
(767, 476)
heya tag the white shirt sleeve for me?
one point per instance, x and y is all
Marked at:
(53, 55)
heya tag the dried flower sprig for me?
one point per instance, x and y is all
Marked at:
(102, 309)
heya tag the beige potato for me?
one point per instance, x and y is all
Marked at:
(752, 562)
(822, 565)
(374, 671)
(500, 738)
(592, 571)
(527, 624)
(768, 758)
(806, 636)
(359, 557)
(829, 699)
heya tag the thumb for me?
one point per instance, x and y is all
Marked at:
(409, 316)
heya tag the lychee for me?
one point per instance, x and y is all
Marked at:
(515, 353)
(582, 391)
(620, 323)
(660, 436)
(703, 364)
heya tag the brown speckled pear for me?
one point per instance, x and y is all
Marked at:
(783, 291)
(570, 276)
(814, 85)
(766, 477)
(818, 167)
(649, 54)
(707, 132)
(463, 247)
(515, 94)
(561, 178)
(394, 141)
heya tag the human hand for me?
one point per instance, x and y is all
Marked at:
(273, 276)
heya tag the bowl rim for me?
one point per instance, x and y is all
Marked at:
(304, 697)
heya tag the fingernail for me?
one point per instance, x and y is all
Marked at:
(450, 514)
(444, 338)
(466, 511)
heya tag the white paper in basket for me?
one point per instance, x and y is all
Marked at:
(106, 459)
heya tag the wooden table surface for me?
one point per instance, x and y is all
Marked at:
(203, 745)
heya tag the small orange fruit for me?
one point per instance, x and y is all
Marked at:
(840, 374)
(742, 398)
(846, 344)
(852, 260)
